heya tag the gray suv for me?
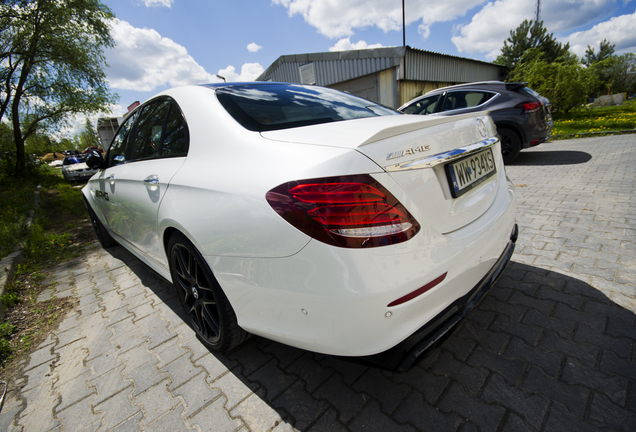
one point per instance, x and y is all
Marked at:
(522, 116)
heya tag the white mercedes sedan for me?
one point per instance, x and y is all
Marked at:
(308, 216)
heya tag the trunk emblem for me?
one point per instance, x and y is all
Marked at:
(482, 128)
(411, 151)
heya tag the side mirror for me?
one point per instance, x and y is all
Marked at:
(95, 160)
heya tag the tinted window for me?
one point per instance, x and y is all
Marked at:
(160, 132)
(175, 141)
(118, 150)
(465, 99)
(423, 106)
(272, 107)
(150, 130)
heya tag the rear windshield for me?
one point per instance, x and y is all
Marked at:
(270, 107)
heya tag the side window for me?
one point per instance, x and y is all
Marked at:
(423, 106)
(149, 130)
(176, 138)
(466, 99)
(118, 150)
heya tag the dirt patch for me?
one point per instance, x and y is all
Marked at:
(50, 157)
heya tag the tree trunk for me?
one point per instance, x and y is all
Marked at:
(20, 165)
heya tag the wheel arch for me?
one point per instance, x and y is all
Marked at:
(515, 128)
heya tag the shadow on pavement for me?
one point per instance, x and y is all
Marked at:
(558, 157)
(542, 350)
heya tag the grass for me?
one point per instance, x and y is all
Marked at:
(16, 200)
(59, 232)
(596, 121)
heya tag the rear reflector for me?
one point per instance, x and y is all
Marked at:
(419, 291)
(347, 211)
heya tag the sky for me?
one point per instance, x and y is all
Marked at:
(168, 43)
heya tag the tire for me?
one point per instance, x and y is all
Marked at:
(208, 309)
(100, 230)
(510, 144)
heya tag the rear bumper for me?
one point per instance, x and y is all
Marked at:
(402, 356)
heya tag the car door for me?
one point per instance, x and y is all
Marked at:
(158, 150)
(103, 187)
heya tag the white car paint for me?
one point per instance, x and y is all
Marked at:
(281, 283)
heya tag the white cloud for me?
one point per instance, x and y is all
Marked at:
(480, 35)
(338, 19)
(75, 125)
(491, 25)
(152, 3)
(346, 45)
(143, 60)
(618, 30)
(253, 47)
(249, 72)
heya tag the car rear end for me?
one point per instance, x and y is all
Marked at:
(440, 224)
(360, 236)
(527, 110)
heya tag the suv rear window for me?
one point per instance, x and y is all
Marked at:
(270, 107)
(466, 99)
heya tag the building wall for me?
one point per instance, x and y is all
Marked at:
(106, 128)
(387, 89)
(389, 76)
(365, 87)
(434, 67)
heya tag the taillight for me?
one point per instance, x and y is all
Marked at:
(528, 107)
(347, 211)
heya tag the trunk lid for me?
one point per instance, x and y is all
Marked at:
(413, 152)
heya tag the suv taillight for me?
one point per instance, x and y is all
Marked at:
(528, 107)
(347, 211)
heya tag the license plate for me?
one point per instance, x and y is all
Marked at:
(470, 171)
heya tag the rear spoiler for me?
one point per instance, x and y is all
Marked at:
(515, 86)
(426, 122)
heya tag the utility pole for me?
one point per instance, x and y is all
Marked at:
(403, 26)
(404, 40)
(537, 16)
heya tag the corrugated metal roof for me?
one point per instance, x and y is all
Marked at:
(335, 67)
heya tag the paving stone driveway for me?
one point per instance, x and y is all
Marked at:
(550, 348)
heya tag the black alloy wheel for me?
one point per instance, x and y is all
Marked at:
(205, 304)
(510, 144)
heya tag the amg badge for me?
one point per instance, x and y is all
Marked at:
(407, 152)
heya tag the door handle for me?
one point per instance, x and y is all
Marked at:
(152, 180)
(111, 179)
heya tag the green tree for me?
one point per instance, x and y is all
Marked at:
(88, 137)
(527, 36)
(52, 64)
(605, 50)
(617, 73)
(565, 81)
(6, 139)
(40, 144)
